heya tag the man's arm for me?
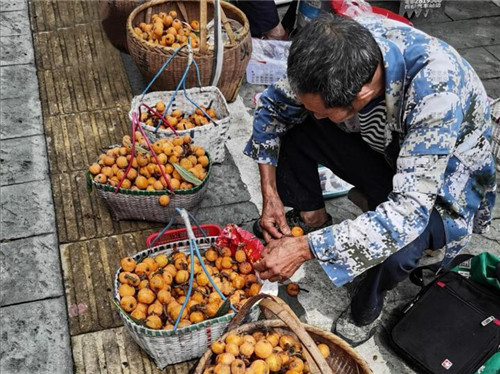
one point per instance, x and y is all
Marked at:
(278, 110)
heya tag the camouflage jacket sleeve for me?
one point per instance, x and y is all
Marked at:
(277, 111)
(347, 249)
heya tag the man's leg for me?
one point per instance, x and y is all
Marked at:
(368, 301)
(345, 154)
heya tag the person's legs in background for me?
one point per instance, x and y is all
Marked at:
(263, 18)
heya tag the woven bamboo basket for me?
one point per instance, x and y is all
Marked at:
(167, 347)
(211, 136)
(143, 205)
(114, 14)
(149, 58)
(343, 359)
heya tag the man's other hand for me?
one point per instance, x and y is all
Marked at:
(281, 258)
(273, 219)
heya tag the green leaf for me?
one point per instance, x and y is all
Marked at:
(187, 175)
(89, 182)
(223, 309)
(138, 148)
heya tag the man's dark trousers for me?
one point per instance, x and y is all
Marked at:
(350, 158)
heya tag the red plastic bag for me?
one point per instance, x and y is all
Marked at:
(234, 237)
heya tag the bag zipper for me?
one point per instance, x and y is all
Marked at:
(483, 313)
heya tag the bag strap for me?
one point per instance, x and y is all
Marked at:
(417, 276)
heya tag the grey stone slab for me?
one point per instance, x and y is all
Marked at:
(494, 50)
(459, 10)
(14, 23)
(23, 160)
(16, 50)
(30, 269)
(239, 213)
(433, 16)
(27, 210)
(467, 33)
(492, 87)
(15, 122)
(483, 62)
(18, 81)
(35, 338)
(10, 5)
(225, 185)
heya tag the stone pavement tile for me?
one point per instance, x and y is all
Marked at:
(81, 215)
(89, 268)
(381, 358)
(14, 23)
(114, 351)
(10, 5)
(30, 269)
(77, 45)
(20, 117)
(35, 338)
(434, 16)
(466, 33)
(16, 50)
(18, 82)
(23, 160)
(459, 10)
(324, 302)
(225, 185)
(492, 87)
(238, 213)
(483, 62)
(27, 210)
(47, 15)
(494, 50)
(80, 88)
(75, 141)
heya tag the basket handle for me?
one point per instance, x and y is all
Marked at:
(280, 309)
(136, 125)
(203, 26)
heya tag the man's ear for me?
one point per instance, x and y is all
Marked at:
(365, 93)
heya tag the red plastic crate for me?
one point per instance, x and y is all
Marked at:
(181, 234)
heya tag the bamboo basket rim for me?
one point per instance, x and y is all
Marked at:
(239, 36)
(127, 191)
(275, 323)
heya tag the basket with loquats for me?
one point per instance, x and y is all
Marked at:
(168, 30)
(284, 345)
(178, 119)
(140, 180)
(172, 296)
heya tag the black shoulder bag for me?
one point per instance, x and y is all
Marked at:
(452, 326)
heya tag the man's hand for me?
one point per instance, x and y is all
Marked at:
(273, 220)
(281, 258)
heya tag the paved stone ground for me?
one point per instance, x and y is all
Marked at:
(59, 247)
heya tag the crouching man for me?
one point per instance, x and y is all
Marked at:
(398, 114)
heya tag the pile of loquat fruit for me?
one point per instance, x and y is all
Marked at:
(145, 173)
(167, 30)
(154, 290)
(180, 121)
(261, 352)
